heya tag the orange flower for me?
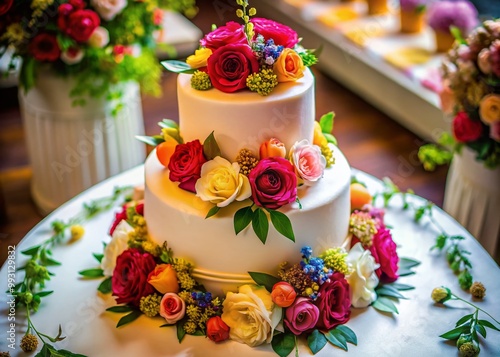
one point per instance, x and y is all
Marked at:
(489, 109)
(272, 148)
(289, 66)
(283, 294)
(164, 279)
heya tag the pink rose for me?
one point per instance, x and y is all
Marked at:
(108, 9)
(308, 161)
(465, 129)
(281, 34)
(81, 24)
(217, 330)
(185, 164)
(44, 47)
(230, 65)
(130, 277)
(334, 302)
(231, 33)
(172, 308)
(273, 182)
(302, 316)
(384, 251)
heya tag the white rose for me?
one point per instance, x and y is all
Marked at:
(72, 55)
(99, 38)
(363, 280)
(108, 9)
(115, 247)
(221, 182)
(251, 315)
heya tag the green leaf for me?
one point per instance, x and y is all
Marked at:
(385, 304)
(260, 224)
(27, 73)
(105, 286)
(349, 334)
(282, 224)
(387, 290)
(316, 341)
(119, 308)
(264, 279)
(180, 331)
(31, 251)
(177, 66)
(213, 211)
(49, 351)
(402, 287)
(464, 319)
(481, 330)
(242, 218)
(46, 260)
(129, 318)
(408, 263)
(151, 140)
(168, 123)
(98, 257)
(488, 324)
(43, 293)
(283, 344)
(405, 272)
(330, 138)
(210, 147)
(92, 273)
(455, 333)
(326, 122)
(336, 338)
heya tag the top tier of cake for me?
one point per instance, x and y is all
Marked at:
(245, 119)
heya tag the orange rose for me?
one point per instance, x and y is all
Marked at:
(164, 279)
(272, 148)
(289, 66)
(283, 294)
(489, 109)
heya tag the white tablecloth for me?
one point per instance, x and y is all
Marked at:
(90, 330)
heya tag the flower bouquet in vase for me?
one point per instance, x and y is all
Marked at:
(471, 75)
(83, 66)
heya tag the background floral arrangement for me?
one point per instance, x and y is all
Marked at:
(471, 73)
(257, 55)
(99, 42)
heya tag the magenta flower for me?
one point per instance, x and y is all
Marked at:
(301, 316)
(444, 14)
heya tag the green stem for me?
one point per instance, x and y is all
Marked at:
(476, 307)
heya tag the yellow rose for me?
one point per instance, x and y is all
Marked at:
(164, 279)
(221, 182)
(489, 109)
(251, 315)
(289, 66)
(199, 59)
(319, 137)
(272, 148)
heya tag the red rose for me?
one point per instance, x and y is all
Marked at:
(81, 24)
(383, 250)
(281, 34)
(230, 65)
(5, 5)
(217, 330)
(62, 19)
(77, 4)
(185, 164)
(273, 182)
(122, 215)
(334, 302)
(130, 278)
(465, 129)
(44, 47)
(231, 33)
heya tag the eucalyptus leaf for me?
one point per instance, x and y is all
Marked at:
(264, 279)
(316, 341)
(349, 334)
(119, 308)
(387, 290)
(210, 147)
(326, 122)
(213, 211)
(336, 338)
(260, 224)
(129, 318)
(150, 140)
(283, 344)
(105, 286)
(488, 324)
(92, 273)
(455, 333)
(385, 304)
(405, 272)
(282, 224)
(242, 218)
(402, 287)
(408, 263)
(177, 66)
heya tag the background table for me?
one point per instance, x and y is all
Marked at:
(76, 305)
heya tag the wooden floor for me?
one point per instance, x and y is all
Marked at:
(370, 140)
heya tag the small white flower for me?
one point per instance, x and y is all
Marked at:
(362, 280)
(117, 245)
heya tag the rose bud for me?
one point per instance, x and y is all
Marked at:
(164, 279)
(272, 148)
(217, 330)
(283, 294)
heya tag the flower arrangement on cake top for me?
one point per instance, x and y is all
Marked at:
(99, 42)
(258, 55)
(311, 297)
(471, 74)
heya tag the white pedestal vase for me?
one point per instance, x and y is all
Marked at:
(71, 147)
(472, 197)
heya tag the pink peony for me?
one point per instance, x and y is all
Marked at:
(308, 161)
(384, 251)
(302, 316)
(231, 33)
(281, 34)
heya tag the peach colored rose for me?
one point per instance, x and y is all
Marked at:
(308, 161)
(489, 109)
(289, 66)
(272, 148)
(283, 294)
(172, 308)
(99, 38)
(199, 59)
(164, 279)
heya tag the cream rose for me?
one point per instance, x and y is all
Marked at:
(489, 109)
(289, 66)
(221, 182)
(108, 9)
(115, 247)
(362, 280)
(99, 38)
(308, 161)
(199, 59)
(251, 315)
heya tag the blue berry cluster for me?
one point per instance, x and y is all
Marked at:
(267, 51)
(203, 300)
(315, 268)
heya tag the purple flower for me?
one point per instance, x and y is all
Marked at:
(410, 5)
(461, 14)
(301, 316)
